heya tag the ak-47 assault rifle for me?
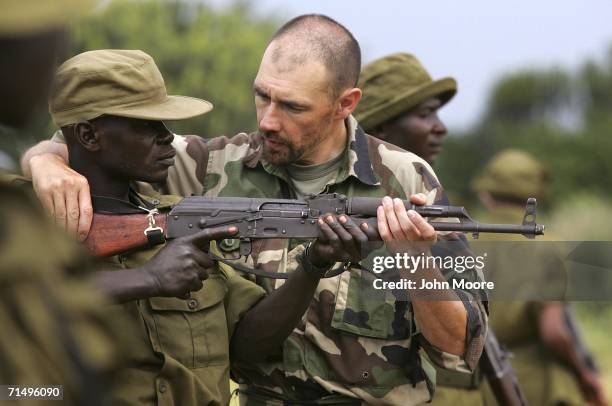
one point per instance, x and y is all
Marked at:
(281, 218)
(271, 218)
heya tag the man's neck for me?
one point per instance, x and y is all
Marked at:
(329, 148)
(101, 183)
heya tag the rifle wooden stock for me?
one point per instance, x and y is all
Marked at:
(112, 234)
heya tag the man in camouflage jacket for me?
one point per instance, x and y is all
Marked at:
(355, 344)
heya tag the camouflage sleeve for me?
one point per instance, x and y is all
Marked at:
(184, 179)
(455, 245)
(204, 166)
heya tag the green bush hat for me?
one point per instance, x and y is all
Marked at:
(121, 83)
(395, 84)
(512, 174)
(24, 17)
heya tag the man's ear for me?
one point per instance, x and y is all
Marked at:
(87, 136)
(348, 101)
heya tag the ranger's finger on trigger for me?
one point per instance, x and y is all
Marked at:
(202, 238)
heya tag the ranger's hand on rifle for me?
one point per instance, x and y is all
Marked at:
(343, 240)
(181, 266)
(405, 230)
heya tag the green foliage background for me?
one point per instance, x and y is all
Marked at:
(562, 117)
(202, 52)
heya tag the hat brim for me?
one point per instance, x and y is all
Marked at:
(444, 89)
(172, 108)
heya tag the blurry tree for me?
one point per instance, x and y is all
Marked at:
(202, 52)
(563, 118)
(206, 52)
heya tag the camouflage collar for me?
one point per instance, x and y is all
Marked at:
(357, 163)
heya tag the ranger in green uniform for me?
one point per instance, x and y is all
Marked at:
(545, 355)
(109, 105)
(355, 344)
(53, 331)
(400, 105)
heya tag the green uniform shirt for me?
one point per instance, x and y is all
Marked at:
(54, 330)
(353, 344)
(181, 356)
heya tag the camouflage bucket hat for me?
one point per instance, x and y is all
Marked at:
(119, 83)
(512, 174)
(395, 84)
(23, 17)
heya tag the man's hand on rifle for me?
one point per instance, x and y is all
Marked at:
(396, 226)
(181, 266)
(342, 240)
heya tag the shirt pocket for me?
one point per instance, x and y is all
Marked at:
(193, 331)
(362, 310)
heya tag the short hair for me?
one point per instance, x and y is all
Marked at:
(328, 41)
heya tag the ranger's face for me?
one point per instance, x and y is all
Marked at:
(419, 130)
(294, 106)
(135, 150)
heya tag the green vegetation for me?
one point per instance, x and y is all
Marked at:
(562, 118)
(202, 52)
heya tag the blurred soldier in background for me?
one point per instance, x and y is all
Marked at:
(400, 105)
(53, 331)
(547, 357)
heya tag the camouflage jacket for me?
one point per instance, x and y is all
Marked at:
(354, 343)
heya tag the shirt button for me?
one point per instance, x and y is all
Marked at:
(155, 202)
(192, 304)
(162, 387)
(365, 375)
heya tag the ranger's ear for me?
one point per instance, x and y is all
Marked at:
(87, 136)
(347, 102)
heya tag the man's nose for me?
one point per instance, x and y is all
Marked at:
(269, 120)
(165, 136)
(439, 127)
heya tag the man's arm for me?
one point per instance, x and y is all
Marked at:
(264, 328)
(560, 341)
(440, 314)
(177, 269)
(63, 192)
